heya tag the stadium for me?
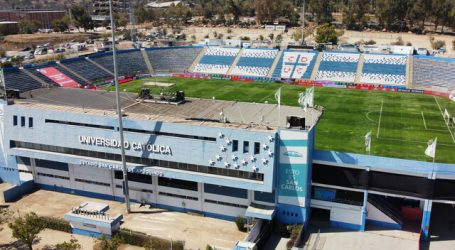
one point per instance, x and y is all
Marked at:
(218, 131)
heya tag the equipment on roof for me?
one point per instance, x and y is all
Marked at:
(166, 98)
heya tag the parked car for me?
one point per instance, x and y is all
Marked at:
(422, 52)
(59, 50)
(42, 51)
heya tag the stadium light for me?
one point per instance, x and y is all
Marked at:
(303, 23)
(119, 113)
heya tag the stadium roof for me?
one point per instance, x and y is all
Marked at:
(251, 116)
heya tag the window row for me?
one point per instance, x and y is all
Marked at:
(93, 182)
(225, 203)
(22, 121)
(179, 196)
(246, 147)
(54, 176)
(142, 161)
(149, 132)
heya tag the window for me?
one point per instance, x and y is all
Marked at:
(15, 120)
(30, 122)
(235, 145)
(22, 121)
(131, 159)
(257, 148)
(246, 147)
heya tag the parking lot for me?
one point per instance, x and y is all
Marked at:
(196, 231)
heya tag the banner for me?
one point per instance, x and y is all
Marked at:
(58, 77)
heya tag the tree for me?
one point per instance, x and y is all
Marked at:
(61, 25)
(321, 11)
(29, 27)
(73, 244)
(141, 14)
(82, 18)
(354, 14)
(121, 19)
(110, 244)
(326, 33)
(240, 223)
(234, 8)
(27, 228)
(266, 10)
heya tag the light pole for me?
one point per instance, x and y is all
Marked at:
(303, 23)
(119, 113)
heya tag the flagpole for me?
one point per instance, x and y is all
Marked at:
(435, 146)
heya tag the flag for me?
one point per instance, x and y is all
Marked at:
(278, 96)
(310, 97)
(303, 101)
(431, 149)
(368, 142)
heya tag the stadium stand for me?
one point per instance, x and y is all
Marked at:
(172, 59)
(131, 60)
(216, 60)
(433, 71)
(384, 69)
(295, 64)
(15, 78)
(338, 67)
(70, 75)
(85, 68)
(255, 62)
(34, 69)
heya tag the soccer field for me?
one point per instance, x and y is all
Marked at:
(401, 123)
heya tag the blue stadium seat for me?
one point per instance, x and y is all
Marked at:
(15, 78)
(216, 60)
(338, 67)
(255, 62)
(296, 64)
(172, 59)
(384, 69)
(430, 71)
(85, 68)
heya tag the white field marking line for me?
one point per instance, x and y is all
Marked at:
(421, 142)
(368, 116)
(380, 117)
(450, 131)
(424, 123)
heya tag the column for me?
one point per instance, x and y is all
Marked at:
(425, 227)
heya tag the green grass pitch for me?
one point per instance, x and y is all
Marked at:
(401, 123)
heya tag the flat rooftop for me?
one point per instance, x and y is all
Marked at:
(252, 116)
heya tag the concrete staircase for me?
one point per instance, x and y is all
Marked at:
(43, 83)
(100, 66)
(197, 60)
(358, 75)
(236, 60)
(316, 67)
(275, 63)
(147, 61)
(409, 71)
(74, 73)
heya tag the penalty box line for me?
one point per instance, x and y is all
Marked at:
(442, 113)
(380, 118)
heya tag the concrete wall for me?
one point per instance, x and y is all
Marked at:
(184, 150)
(377, 217)
(342, 215)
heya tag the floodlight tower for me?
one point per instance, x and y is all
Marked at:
(119, 113)
(132, 22)
(303, 23)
